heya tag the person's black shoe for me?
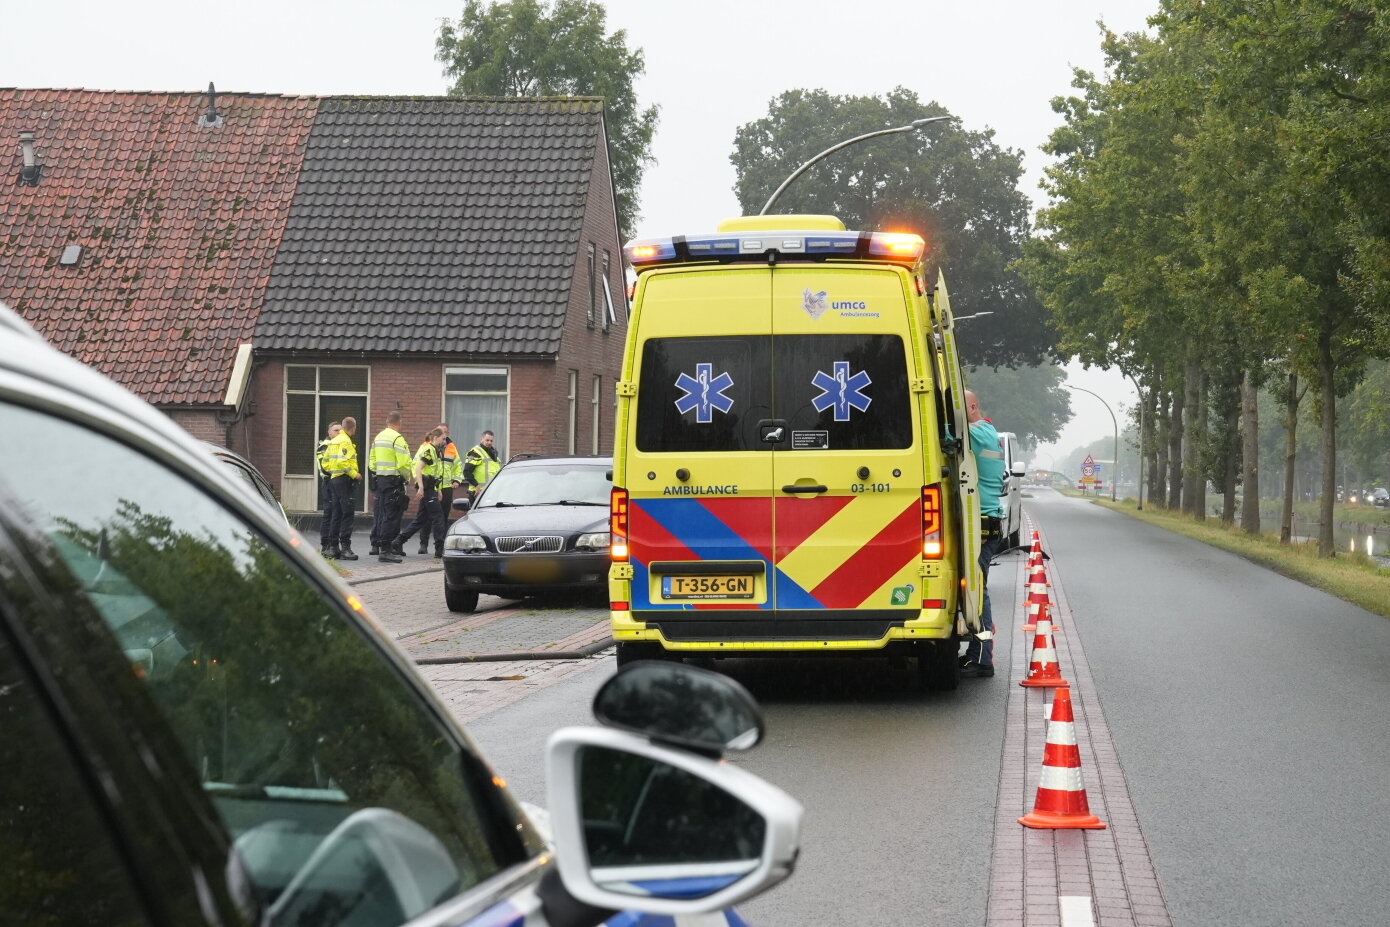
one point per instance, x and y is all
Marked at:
(972, 670)
(424, 548)
(345, 552)
(438, 554)
(387, 556)
(374, 551)
(398, 547)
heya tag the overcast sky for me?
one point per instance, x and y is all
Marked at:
(712, 66)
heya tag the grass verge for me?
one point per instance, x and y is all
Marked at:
(1351, 576)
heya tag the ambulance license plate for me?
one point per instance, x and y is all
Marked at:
(707, 587)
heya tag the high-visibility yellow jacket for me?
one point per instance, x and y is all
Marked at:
(451, 465)
(480, 466)
(427, 464)
(321, 457)
(390, 455)
(340, 458)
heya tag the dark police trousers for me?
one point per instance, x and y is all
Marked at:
(389, 503)
(429, 519)
(340, 509)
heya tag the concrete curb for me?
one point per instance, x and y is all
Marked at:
(407, 572)
(588, 650)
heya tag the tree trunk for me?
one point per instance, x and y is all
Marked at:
(1175, 428)
(1158, 479)
(1250, 455)
(1328, 388)
(1147, 408)
(1290, 459)
(1193, 499)
(1230, 452)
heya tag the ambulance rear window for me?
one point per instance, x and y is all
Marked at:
(703, 394)
(832, 392)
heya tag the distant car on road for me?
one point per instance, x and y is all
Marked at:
(1011, 499)
(540, 524)
(1380, 496)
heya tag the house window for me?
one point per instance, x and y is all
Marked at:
(315, 396)
(574, 410)
(610, 315)
(597, 413)
(477, 399)
(592, 304)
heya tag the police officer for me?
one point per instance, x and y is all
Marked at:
(340, 460)
(321, 458)
(978, 659)
(481, 464)
(390, 465)
(452, 476)
(428, 517)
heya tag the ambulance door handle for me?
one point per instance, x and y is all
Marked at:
(806, 489)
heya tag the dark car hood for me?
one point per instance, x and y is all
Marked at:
(533, 519)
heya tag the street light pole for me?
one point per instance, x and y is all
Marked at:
(1140, 393)
(1116, 423)
(910, 127)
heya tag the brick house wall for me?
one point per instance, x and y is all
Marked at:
(589, 348)
(202, 424)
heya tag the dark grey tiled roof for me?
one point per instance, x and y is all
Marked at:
(433, 225)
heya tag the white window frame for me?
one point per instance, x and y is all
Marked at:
(596, 404)
(501, 430)
(573, 399)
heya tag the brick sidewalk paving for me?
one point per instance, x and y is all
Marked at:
(1065, 878)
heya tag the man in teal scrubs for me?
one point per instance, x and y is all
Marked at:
(978, 659)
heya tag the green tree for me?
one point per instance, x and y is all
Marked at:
(956, 188)
(1029, 401)
(530, 48)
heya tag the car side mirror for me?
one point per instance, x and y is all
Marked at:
(681, 706)
(608, 475)
(461, 505)
(642, 826)
(1018, 470)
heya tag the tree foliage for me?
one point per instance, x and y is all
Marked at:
(1220, 213)
(1029, 401)
(530, 48)
(955, 187)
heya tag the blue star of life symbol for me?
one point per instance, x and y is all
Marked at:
(841, 391)
(704, 393)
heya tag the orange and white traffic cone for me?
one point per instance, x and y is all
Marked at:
(1042, 667)
(1061, 800)
(1037, 597)
(1035, 552)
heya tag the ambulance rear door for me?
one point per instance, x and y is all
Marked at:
(847, 466)
(698, 472)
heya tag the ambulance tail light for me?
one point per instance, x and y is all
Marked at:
(932, 547)
(617, 525)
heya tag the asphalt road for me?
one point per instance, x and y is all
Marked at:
(1248, 713)
(1251, 715)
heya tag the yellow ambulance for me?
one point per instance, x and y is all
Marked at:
(788, 470)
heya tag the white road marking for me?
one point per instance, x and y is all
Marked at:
(1076, 910)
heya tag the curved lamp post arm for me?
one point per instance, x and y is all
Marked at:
(911, 127)
(1114, 422)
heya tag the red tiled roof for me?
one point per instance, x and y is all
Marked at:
(178, 226)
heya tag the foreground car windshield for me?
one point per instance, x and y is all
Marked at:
(547, 486)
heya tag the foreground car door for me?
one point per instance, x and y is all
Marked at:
(261, 753)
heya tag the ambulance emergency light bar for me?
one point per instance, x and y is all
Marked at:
(898, 247)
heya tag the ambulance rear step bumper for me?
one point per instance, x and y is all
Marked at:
(762, 625)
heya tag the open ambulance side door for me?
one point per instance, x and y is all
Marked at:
(967, 489)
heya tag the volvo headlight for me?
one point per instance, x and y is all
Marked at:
(463, 542)
(598, 540)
